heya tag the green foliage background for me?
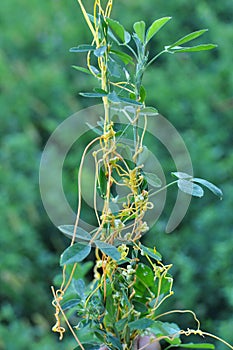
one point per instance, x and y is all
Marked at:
(39, 90)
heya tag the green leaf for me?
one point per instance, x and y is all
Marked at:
(143, 156)
(142, 94)
(190, 188)
(113, 97)
(115, 342)
(114, 69)
(79, 287)
(94, 129)
(100, 91)
(145, 274)
(82, 69)
(108, 249)
(127, 59)
(149, 111)
(153, 179)
(100, 51)
(70, 304)
(140, 324)
(171, 330)
(102, 183)
(181, 175)
(197, 48)
(197, 346)
(93, 94)
(119, 31)
(83, 48)
(210, 186)
(155, 27)
(75, 253)
(139, 28)
(94, 70)
(88, 346)
(140, 307)
(80, 234)
(151, 252)
(188, 38)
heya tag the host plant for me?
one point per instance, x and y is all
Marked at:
(120, 309)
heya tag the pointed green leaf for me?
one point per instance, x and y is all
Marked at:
(181, 175)
(197, 48)
(197, 346)
(155, 27)
(83, 48)
(190, 188)
(139, 28)
(119, 31)
(82, 69)
(127, 59)
(153, 179)
(93, 94)
(68, 230)
(210, 186)
(188, 38)
(75, 253)
(149, 111)
(108, 249)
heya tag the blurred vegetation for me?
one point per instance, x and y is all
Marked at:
(39, 89)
